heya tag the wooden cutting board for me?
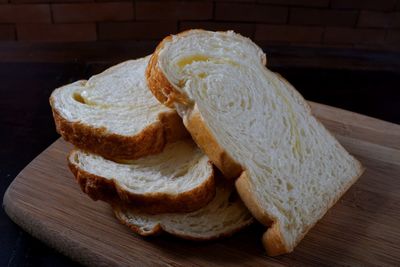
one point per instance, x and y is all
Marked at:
(363, 228)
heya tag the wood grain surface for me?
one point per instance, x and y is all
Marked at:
(363, 228)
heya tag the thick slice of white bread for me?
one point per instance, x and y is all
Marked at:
(179, 179)
(253, 123)
(222, 217)
(113, 114)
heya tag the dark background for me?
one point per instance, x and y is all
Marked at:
(337, 52)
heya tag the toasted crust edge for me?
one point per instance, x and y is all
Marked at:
(109, 190)
(151, 140)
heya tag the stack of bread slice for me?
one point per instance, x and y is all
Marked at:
(135, 154)
(249, 122)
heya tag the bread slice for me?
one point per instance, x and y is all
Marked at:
(222, 217)
(253, 123)
(113, 114)
(179, 179)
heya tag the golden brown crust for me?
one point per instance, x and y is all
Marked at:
(272, 238)
(208, 144)
(108, 190)
(151, 140)
(245, 192)
(159, 85)
(173, 128)
(156, 81)
(164, 91)
(273, 241)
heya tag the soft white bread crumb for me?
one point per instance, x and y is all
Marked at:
(223, 216)
(294, 169)
(117, 99)
(114, 114)
(180, 178)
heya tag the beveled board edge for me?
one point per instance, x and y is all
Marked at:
(30, 224)
(81, 254)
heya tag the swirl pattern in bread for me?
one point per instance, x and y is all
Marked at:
(222, 217)
(179, 179)
(252, 123)
(113, 114)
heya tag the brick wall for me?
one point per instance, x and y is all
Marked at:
(373, 24)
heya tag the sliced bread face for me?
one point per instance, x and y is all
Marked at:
(222, 217)
(113, 114)
(245, 117)
(179, 179)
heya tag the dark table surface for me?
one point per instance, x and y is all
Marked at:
(27, 127)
